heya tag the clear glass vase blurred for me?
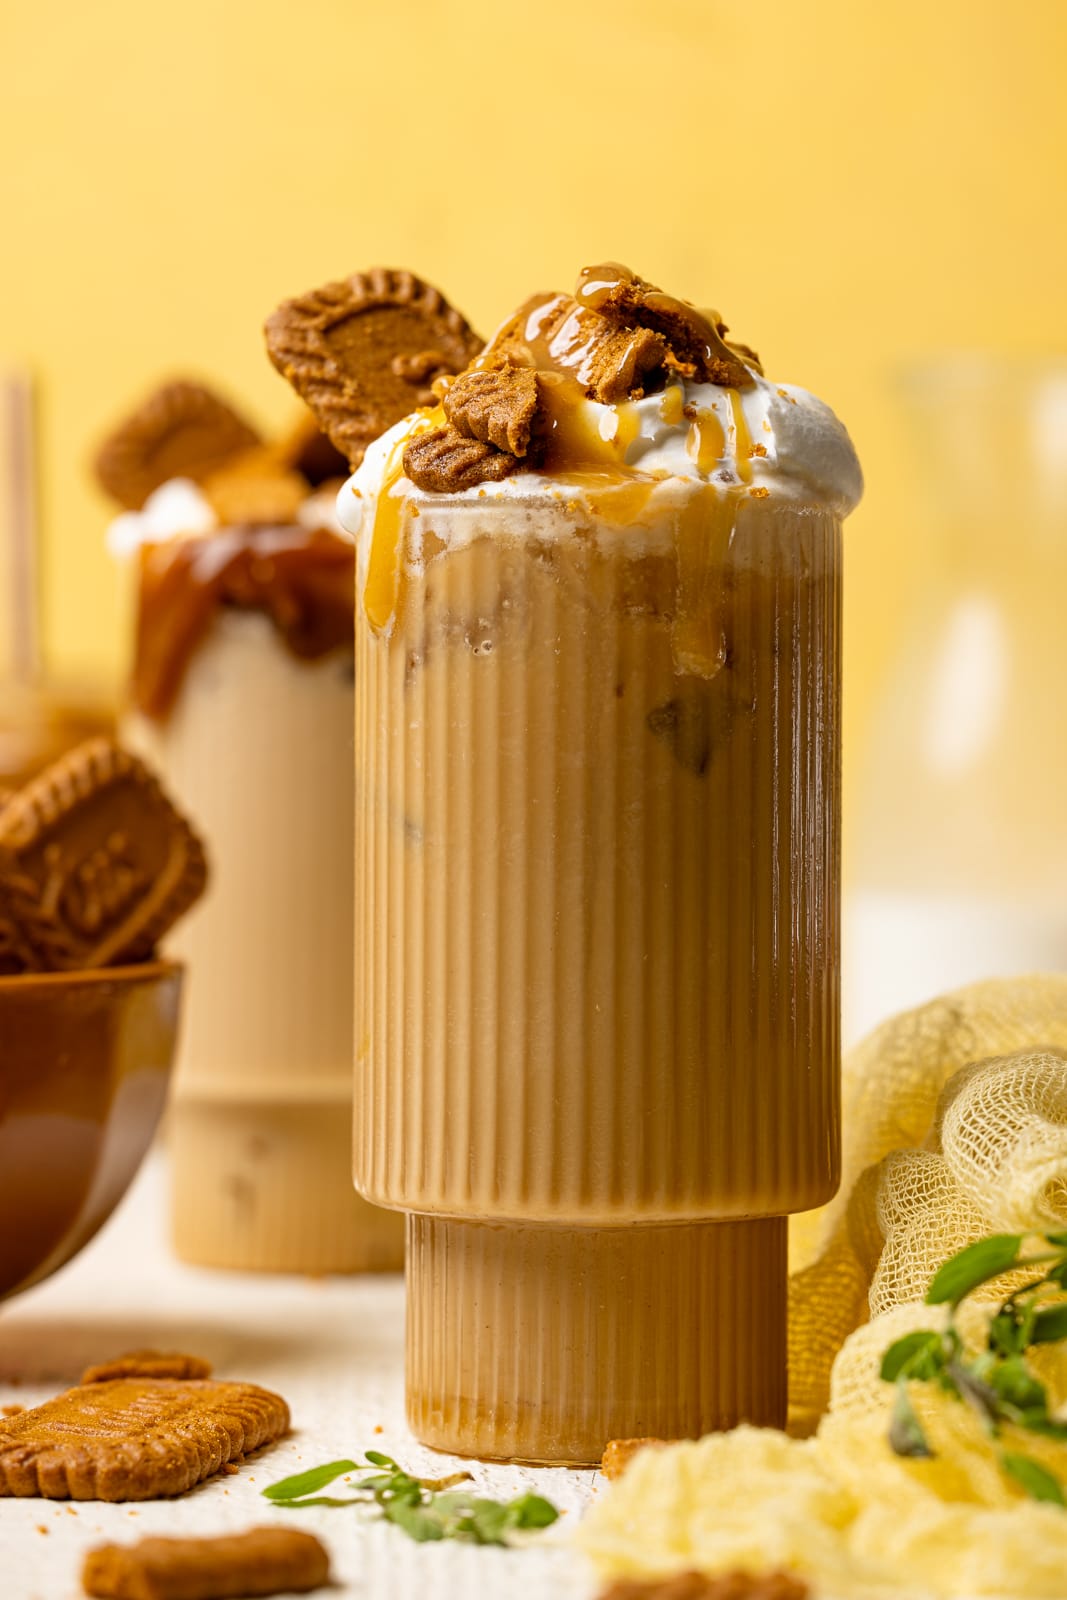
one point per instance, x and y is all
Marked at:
(958, 852)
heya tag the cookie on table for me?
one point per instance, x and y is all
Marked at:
(262, 1561)
(135, 1438)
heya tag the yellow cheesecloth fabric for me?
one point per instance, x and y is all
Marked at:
(955, 1119)
(929, 1165)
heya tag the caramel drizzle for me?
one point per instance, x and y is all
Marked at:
(302, 578)
(598, 286)
(742, 438)
(550, 333)
(616, 494)
(381, 586)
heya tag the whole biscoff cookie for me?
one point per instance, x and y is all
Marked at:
(135, 1438)
(95, 863)
(365, 351)
(183, 430)
(260, 1562)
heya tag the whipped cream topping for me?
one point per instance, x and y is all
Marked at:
(179, 509)
(770, 437)
(175, 510)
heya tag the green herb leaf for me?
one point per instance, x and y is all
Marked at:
(303, 1483)
(425, 1509)
(418, 1522)
(1013, 1382)
(905, 1431)
(1007, 1333)
(972, 1266)
(489, 1521)
(916, 1355)
(1049, 1427)
(314, 1500)
(998, 1383)
(1039, 1483)
(534, 1511)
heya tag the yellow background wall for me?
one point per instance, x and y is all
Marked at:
(852, 184)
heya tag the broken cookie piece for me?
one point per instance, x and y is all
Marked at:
(618, 1453)
(364, 352)
(553, 333)
(694, 338)
(497, 405)
(263, 1561)
(256, 489)
(135, 1438)
(443, 461)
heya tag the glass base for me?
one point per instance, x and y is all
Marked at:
(540, 1344)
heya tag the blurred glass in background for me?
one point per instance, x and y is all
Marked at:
(959, 824)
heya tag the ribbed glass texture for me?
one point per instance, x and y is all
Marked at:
(542, 1343)
(257, 751)
(597, 868)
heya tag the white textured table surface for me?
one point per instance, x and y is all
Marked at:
(333, 1348)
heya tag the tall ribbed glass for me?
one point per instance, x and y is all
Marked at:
(257, 750)
(597, 954)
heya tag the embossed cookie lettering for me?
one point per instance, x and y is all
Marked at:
(95, 864)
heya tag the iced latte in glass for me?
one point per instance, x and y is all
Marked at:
(597, 811)
(241, 694)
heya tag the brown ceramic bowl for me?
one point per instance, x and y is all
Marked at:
(84, 1062)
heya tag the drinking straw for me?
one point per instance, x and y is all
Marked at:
(19, 614)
